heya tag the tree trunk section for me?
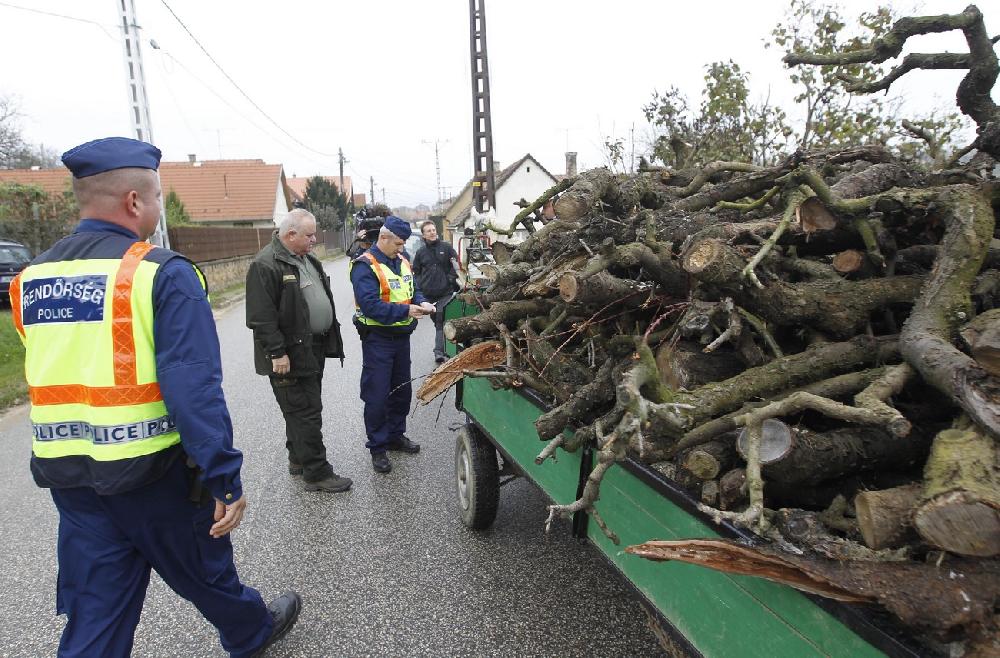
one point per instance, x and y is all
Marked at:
(462, 330)
(685, 366)
(960, 511)
(885, 516)
(816, 457)
(707, 461)
(600, 289)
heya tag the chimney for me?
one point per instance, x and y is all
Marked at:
(570, 163)
(192, 158)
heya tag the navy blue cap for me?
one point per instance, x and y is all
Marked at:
(398, 226)
(103, 155)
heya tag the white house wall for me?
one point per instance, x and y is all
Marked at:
(280, 203)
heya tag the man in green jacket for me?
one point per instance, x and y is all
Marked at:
(294, 321)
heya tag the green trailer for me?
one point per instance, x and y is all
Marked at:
(700, 612)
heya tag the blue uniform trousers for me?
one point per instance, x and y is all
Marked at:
(385, 368)
(107, 545)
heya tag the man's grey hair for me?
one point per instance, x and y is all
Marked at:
(386, 232)
(293, 221)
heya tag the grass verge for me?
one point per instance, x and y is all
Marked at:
(13, 388)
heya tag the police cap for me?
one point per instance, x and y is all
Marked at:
(109, 153)
(400, 227)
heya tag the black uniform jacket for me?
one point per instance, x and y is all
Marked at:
(278, 315)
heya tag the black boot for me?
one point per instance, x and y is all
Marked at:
(381, 463)
(284, 612)
(403, 444)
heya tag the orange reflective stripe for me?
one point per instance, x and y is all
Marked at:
(383, 283)
(123, 343)
(95, 396)
(15, 304)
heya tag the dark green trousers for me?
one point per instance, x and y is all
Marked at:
(301, 403)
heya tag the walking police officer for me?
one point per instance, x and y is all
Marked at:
(125, 380)
(387, 305)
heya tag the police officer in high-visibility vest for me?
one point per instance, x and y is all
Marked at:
(387, 306)
(131, 430)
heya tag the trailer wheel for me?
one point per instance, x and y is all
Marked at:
(477, 478)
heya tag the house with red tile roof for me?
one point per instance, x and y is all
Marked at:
(241, 193)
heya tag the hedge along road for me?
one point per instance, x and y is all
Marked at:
(387, 569)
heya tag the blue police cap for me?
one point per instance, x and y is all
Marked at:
(109, 153)
(398, 226)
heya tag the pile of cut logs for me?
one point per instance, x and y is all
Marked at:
(817, 336)
(812, 349)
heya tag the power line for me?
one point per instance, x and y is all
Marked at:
(239, 89)
(236, 110)
(55, 15)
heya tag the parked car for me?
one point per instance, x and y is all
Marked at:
(14, 257)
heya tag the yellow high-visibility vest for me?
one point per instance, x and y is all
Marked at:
(90, 363)
(393, 289)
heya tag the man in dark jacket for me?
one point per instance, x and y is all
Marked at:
(294, 321)
(435, 267)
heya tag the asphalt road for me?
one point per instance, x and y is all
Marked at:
(387, 569)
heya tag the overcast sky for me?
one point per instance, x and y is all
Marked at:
(384, 79)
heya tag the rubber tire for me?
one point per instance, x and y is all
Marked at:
(477, 479)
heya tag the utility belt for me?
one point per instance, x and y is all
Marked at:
(398, 332)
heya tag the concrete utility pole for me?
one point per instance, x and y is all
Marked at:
(340, 156)
(482, 126)
(135, 76)
(371, 194)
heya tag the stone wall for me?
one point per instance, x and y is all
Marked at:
(222, 274)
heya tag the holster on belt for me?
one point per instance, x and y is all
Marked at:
(197, 494)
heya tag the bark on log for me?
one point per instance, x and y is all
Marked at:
(840, 308)
(885, 517)
(707, 461)
(462, 330)
(600, 289)
(685, 366)
(816, 457)
(926, 340)
(589, 188)
(960, 512)
(582, 407)
(714, 262)
(875, 179)
(546, 282)
(531, 249)
(733, 489)
(982, 335)
(816, 363)
(836, 307)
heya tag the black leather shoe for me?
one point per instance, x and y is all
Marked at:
(332, 484)
(284, 613)
(440, 358)
(381, 463)
(403, 444)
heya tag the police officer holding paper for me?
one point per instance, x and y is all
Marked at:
(125, 380)
(387, 305)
